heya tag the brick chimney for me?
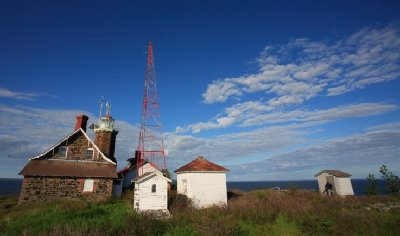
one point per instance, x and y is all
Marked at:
(81, 121)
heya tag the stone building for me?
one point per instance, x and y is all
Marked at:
(74, 168)
(202, 181)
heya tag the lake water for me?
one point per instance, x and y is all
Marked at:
(10, 186)
(13, 186)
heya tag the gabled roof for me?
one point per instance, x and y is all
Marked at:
(58, 168)
(70, 135)
(132, 167)
(200, 164)
(148, 175)
(336, 173)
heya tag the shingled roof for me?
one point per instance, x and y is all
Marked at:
(200, 164)
(58, 168)
(336, 173)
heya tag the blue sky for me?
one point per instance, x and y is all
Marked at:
(272, 90)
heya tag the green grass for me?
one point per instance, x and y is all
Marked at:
(64, 217)
(260, 212)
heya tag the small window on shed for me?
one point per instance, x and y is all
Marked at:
(88, 185)
(184, 186)
(62, 151)
(153, 188)
(89, 154)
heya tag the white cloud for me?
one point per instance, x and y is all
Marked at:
(232, 115)
(358, 154)
(303, 69)
(16, 95)
(256, 113)
(219, 92)
(231, 147)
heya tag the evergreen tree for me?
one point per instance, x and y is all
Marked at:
(392, 184)
(372, 186)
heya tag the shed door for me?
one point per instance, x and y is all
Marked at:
(332, 181)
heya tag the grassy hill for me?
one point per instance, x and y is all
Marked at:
(261, 212)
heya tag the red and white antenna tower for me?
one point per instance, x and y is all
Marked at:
(151, 144)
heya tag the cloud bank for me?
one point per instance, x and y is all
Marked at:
(303, 69)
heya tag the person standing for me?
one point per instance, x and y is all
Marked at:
(328, 189)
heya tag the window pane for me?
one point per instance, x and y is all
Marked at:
(89, 153)
(153, 188)
(62, 152)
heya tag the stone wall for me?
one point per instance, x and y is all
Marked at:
(77, 145)
(105, 140)
(57, 188)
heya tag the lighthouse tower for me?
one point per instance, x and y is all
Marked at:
(106, 134)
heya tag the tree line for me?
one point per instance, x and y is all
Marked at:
(392, 184)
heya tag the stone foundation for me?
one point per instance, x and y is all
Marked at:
(58, 188)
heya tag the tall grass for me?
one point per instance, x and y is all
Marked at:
(260, 212)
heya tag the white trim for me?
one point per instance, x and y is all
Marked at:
(87, 137)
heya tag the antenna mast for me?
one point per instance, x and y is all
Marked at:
(101, 101)
(151, 144)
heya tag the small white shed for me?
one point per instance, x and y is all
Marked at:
(202, 181)
(340, 181)
(130, 172)
(151, 192)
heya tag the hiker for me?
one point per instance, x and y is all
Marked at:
(328, 189)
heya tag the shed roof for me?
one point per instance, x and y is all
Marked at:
(133, 165)
(200, 164)
(58, 168)
(150, 174)
(336, 173)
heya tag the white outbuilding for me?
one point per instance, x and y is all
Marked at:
(151, 193)
(340, 181)
(202, 181)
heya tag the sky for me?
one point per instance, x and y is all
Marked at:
(271, 90)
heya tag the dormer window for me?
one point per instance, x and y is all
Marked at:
(89, 154)
(62, 152)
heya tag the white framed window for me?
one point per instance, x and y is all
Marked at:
(62, 152)
(88, 185)
(153, 188)
(89, 154)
